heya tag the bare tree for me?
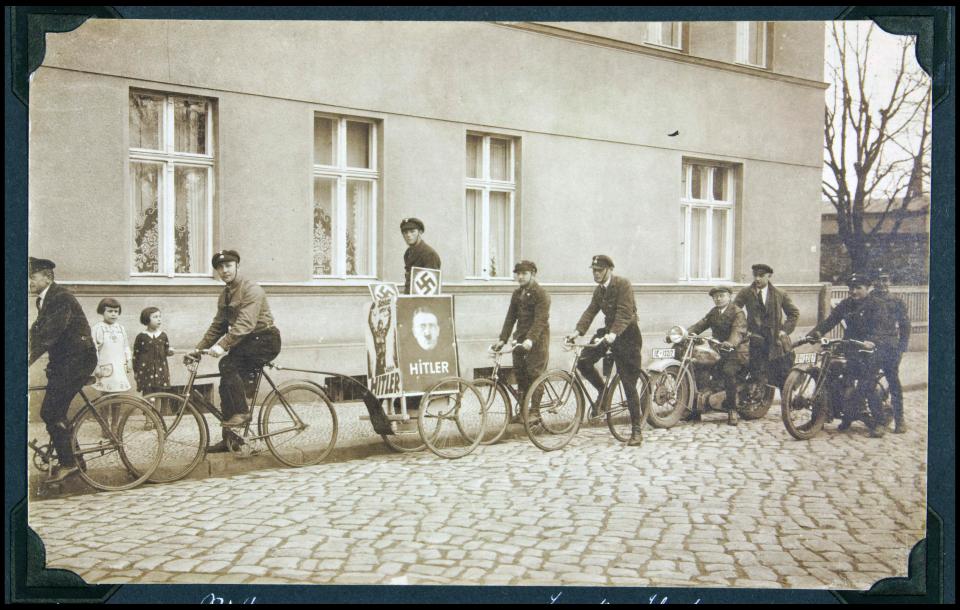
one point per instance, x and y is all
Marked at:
(876, 144)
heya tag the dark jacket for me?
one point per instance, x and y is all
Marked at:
(729, 325)
(865, 319)
(418, 255)
(61, 330)
(530, 311)
(767, 320)
(896, 310)
(619, 309)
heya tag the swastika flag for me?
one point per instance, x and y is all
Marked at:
(424, 282)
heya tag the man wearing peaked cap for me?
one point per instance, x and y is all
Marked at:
(418, 253)
(621, 334)
(242, 329)
(897, 314)
(61, 331)
(530, 310)
(766, 306)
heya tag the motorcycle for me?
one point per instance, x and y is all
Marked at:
(821, 387)
(685, 382)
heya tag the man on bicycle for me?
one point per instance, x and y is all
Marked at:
(60, 330)
(530, 311)
(897, 314)
(243, 326)
(621, 334)
(728, 324)
(865, 320)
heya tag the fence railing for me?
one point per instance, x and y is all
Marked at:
(917, 299)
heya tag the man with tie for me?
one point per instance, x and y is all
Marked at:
(60, 330)
(621, 335)
(769, 332)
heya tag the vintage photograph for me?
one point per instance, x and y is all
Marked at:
(682, 339)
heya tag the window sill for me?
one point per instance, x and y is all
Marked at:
(665, 47)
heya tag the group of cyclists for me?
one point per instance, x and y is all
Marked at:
(244, 337)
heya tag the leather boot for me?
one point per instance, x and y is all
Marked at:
(636, 436)
(900, 426)
(732, 417)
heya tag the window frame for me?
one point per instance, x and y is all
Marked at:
(341, 173)
(487, 185)
(169, 160)
(743, 43)
(688, 204)
(657, 26)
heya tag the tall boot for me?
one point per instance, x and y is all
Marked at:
(636, 436)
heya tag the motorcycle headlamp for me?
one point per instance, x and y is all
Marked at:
(676, 334)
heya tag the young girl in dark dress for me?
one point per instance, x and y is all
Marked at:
(150, 351)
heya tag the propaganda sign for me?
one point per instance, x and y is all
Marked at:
(383, 373)
(424, 282)
(427, 341)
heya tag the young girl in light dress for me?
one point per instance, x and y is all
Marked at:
(113, 349)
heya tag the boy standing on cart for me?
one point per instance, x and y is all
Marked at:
(530, 311)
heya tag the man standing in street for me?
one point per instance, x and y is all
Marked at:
(728, 324)
(60, 330)
(530, 311)
(418, 253)
(242, 326)
(769, 332)
(896, 311)
(621, 334)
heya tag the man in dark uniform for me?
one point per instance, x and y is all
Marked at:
(530, 311)
(60, 330)
(243, 326)
(896, 311)
(769, 332)
(614, 297)
(728, 324)
(865, 320)
(418, 254)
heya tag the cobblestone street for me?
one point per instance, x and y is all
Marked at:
(698, 505)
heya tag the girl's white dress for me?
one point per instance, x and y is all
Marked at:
(113, 353)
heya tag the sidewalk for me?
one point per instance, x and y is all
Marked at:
(356, 439)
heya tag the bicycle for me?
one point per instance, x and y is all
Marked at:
(497, 394)
(109, 457)
(297, 423)
(550, 424)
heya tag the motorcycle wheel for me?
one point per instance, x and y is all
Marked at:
(802, 417)
(754, 400)
(671, 397)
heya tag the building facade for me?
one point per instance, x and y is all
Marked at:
(302, 145)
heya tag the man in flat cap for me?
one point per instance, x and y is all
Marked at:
(865, 319)
(418, 253)
(621, 334)
(60, 330)
(766, 306)
(728, 324)
(896, 311)
(242, 326)
(530, 311)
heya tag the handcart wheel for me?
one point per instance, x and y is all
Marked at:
(452, 417)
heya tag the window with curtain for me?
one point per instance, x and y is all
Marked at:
(665, 34)
(752, 43)
(707, 207)
(171, 165)
(345, 179)
(490, 197)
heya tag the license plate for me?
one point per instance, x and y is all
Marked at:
(806, 358)
(664, 353)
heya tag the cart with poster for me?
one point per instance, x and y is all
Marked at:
(413, 371)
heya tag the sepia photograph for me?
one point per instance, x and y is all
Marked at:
(683, 338)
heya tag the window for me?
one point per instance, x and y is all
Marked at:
(171, 165)
(708, 197)
(666, 34)
(490, 192)
(345, 178)
(752, 43)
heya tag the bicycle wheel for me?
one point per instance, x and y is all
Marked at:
(299, 424)
(452, 416)
(185, 436)
(118, 442)
(803, 416)
(671, 395)
(615, 406)
(406, 435)
(496, 402)
(552, 410)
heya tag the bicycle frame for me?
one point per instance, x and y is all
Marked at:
(580, 382)
(87, 406)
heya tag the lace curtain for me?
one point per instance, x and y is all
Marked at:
(144, 181)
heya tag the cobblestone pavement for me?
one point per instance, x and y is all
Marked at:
(699, 505)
